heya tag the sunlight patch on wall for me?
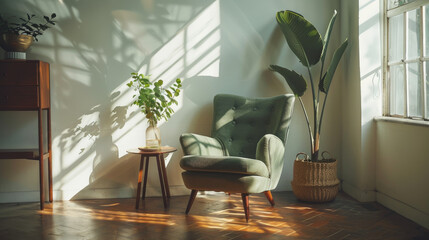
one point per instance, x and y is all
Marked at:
(75, 179)
(207, 65)
(128, 130)
(369, 32)
(203, 48)
(76, 142)
(168, 62)
(194, 49)
(97, 141)
(370, 59)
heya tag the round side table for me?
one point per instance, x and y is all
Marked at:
(159, 155)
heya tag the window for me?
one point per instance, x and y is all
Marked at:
(407, 59)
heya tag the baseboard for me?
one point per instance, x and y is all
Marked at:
(19, 197)
(99, 193)
(359, 194)
(403, 209)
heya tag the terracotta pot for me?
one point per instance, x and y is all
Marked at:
(315, 181)
(15, 43)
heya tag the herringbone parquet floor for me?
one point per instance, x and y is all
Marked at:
(213, 216)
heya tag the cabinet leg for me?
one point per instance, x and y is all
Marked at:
(41, 165)
(51, 198)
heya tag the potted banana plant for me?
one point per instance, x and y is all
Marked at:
(314, 179)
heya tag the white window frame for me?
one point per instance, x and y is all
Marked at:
(419, 4)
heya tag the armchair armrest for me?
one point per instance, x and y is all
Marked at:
(270, 150)
(194, 144)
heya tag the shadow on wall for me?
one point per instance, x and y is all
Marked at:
(97, 44)
(92, 50)
(151, 38)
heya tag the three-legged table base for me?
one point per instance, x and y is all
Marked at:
(144, 162)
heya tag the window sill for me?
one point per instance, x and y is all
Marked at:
(403, 121)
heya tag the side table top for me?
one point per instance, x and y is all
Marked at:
(162, 150)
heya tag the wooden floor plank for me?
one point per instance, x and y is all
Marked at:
(213, 216)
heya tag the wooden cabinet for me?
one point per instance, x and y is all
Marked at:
(24, 86)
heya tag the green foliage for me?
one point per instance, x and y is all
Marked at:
(27, 26)
(306, 43)
(296, 81)
(328, 36)
(325, 83)
(154, 101)
(302, 37)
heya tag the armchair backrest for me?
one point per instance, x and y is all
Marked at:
(239, 122)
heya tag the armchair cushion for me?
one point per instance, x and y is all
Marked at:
(225, 182)
(227, 164)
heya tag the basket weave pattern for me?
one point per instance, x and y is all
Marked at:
(315, 181)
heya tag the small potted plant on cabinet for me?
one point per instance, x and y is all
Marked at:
(16, 37)
(156, 103)
(314, 179)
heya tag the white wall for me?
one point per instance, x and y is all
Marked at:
(383, 161)
(350, 89)
(215, 46)
(402, 169)
(361, 90)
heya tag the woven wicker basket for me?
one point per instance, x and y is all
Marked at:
(315, 181)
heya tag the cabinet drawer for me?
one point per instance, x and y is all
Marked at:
(19, 73)
(19, 97)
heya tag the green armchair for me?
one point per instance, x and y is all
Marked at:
(245, 153)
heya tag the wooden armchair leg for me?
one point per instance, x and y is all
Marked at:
(191, 200)
(245, 198)
(269, 197)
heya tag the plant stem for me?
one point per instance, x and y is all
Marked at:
(321, 76)
(315, 146)
(308, 123)
(321, 114)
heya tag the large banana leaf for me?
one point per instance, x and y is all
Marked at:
(295, 81)
(325, 83)
(328, 36)
(302, 37)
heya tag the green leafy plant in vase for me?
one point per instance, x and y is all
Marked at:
(307, 44)
(156, 102)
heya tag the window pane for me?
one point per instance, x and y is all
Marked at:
(426, 40)
(396, 38)
(397, 103)
(413, 41)
(414, 90)
(426, 64)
